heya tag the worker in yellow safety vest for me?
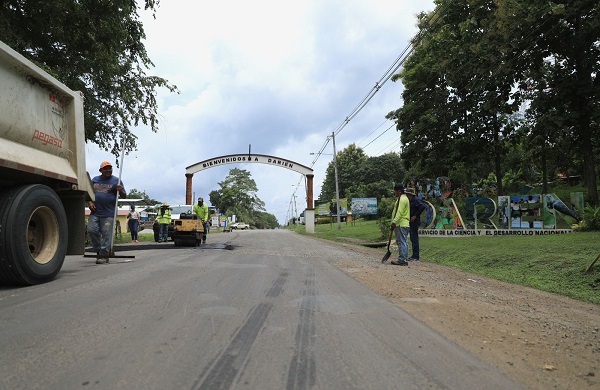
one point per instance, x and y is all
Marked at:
(201, 210)
(164, 219)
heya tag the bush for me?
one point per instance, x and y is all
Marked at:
(385, 207)
(591, 219)
(384, 227)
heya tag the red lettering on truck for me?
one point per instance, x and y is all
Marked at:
(47, 139)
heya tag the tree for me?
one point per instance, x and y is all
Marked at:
(215, 199)
(559, 73)
(482, 77)
(424, 120)
(477, 63)
(348, 162)
(264, 220)
(362, 176)
(237, 195)
(382, 189)
(387, 167)
(376, 176)
(94, 47)
(457, 91)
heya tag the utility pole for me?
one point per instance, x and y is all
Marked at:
(337, 187)
(295, 209)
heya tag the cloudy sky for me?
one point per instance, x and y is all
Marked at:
(278, 75)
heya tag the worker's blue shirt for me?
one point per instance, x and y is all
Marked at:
(106, 195)
(416, 208)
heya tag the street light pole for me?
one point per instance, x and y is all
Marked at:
(337, 187)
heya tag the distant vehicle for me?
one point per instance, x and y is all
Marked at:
(240, 226)
(177, 210)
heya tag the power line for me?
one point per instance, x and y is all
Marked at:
(434, 19)
(474, 83)
(374, 130)
(375, 139)
(385, 78)
(388, 148)
(398, 62)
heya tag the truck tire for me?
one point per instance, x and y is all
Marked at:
(33, 235)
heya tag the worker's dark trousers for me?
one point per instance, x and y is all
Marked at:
(414, 240)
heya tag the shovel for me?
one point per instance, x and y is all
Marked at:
(388, 254)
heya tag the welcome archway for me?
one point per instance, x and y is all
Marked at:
(309, 213)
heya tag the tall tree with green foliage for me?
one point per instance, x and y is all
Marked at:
(454, 112)
(263, 220)
(478, 62)
(424, 120)
(348, 162)
(557, 47)
(386, 167)
(362, 176)
(377, 176)
(481, 78)
(95, 47)
(238, 196)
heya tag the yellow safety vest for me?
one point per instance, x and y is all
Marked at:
(164, 216)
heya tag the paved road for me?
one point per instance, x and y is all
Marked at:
(270, 312)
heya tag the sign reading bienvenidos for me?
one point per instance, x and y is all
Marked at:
(249, 158)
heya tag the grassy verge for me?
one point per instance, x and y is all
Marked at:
(549, 263)
(125, 238)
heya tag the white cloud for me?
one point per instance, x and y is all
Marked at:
(279, 75)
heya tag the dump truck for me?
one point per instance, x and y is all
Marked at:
(43, 181)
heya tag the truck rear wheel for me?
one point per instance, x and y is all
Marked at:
(33, 235)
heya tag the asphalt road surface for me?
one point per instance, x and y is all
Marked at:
(248, 310)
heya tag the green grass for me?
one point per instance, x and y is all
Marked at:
(549, 263)
(125, 238)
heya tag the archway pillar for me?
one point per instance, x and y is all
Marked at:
(309, 213)
(309, 192)
(309, 220)
(188, 188)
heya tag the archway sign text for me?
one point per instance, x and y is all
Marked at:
(248, 158)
